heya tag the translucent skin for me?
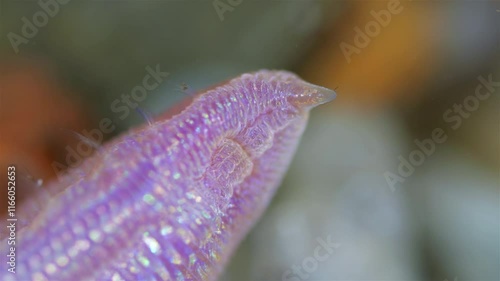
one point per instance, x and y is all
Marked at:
(172, 200)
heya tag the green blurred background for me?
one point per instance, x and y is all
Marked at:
(402, 71)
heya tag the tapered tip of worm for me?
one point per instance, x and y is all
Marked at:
(309, 95)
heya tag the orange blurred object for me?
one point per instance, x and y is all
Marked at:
(34, 106)
(374, 54)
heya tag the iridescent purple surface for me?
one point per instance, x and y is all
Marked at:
(172, 200)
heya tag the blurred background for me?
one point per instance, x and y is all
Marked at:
(401, 171)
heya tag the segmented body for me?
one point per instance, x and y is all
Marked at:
(171, 200)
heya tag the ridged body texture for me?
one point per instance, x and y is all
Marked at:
(171, 200)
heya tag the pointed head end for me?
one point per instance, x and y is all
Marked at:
(309, 95)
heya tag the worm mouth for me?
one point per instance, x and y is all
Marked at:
(307, 95)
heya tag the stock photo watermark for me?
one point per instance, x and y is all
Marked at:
(223, 6)
(93, 138)
(311, 263)
(453, 116)
(372, 29)
(31, 26)
(11, 219)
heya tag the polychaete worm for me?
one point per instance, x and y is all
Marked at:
(172, 199)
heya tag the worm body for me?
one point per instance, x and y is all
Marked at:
(171, 200)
